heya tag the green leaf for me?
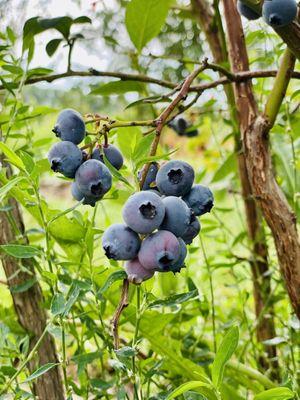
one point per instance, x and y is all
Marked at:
(115, 173)
(52, 46)
(224, 353)
(40, 371)
(12, 156)
(82, 20)
(73, 295)
(6, 188)
(188, 386)
(175, 299)
(228, 166)
(142, 147)
(13, 69)
(24, 286)
(114, 277)
(118, 87)
(280, 393)
(144, 20)
(58, 304)
(20, 251)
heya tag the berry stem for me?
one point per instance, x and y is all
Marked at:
(122, 304)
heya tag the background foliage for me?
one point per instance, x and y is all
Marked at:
(182, 320)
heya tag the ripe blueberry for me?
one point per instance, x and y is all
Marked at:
(177, 215)
(278, 13)
(120, 242)
(159, 250)
(246, 11)
(93, 178)
(175, 178)
(176, 267)
(89, 200)
(150, 177)
(112, 153)
(70, 126)
(192, 230)
(182, 127)
(136, 273)
(144, 212)
(65, 157)
(200, 199)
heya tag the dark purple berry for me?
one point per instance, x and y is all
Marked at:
(112, 153)
(200, 199)
(159, 250)
(177, 215)
(120, 242)
(93, 178)
(150, 177)
(65, 157)
(246, 11)
(70, 126)
(175, 178)
(192, 230)
(278, 13)
(144, 212)
(76, 193)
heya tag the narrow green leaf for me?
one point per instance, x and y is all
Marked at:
(144, 20)
(185, 387)
(20, 251)
(227, 167)
(40, 371)
(12, 156)
(58, 304)
(6, 188)
(224, 353)
(115, 276)
(280, 393)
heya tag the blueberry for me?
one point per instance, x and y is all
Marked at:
(176, 267)
(70, 126)
(278, 13)
(150, 177)
(192, 230)
(177, 215)
(89, 200)
(182, 127)
(200, 199)
(120, 242)
(112, 153)
(93, 178)
(175, 178)
(144, 212)
(159, 250)
(246, 11)
(136, 273)
(65, 157)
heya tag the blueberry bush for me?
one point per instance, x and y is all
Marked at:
(149, 197)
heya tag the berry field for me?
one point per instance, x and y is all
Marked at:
(149, 199)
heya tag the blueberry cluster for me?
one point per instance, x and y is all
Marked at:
(277, 13)
(160, 221)
(182, 127)
(92, 178)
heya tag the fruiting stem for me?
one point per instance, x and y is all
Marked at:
(122, 304)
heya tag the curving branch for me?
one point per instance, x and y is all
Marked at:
(228, 78)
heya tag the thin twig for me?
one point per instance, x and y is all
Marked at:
(122, 304)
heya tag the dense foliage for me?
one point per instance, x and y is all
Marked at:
(190, 335)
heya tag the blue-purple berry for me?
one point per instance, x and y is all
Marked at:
(65, 157)
(136, 273)
(70, 126)
(175, 178)
(246, 11)
(200, 199)
(112, 153)
(278, 13)
(144, 212)
(177, 215)
(93, 178)
(120, 242)
(159, 250)
(192, 230)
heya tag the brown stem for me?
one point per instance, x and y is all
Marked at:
(116, 318)
(29, 308)
(245, 75)
(211, 24)
(254, 130)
